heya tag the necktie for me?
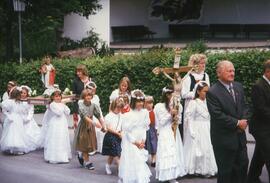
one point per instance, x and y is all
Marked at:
(232, 92)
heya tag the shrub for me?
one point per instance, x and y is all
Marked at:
(197, 46)
(107, 71)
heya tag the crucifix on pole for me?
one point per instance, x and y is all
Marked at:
(176, 79)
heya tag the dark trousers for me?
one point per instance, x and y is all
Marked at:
(260, 157)
(256, 166)
(232, 165)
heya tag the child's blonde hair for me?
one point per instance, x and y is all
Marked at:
(85, 93)
(118, 102)
(149, 99)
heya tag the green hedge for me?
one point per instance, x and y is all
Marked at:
(107, 71)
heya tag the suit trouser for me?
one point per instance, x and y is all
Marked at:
(263, 149)
(232, 164)
(256, 165)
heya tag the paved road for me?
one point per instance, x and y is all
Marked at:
(31, 168)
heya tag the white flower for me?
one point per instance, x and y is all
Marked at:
(34, 93)
(67, 91)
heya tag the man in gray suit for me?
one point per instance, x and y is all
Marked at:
(229, 119)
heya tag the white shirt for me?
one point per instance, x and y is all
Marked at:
(114, 121)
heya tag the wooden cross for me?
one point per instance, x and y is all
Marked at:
(176, 81)
(175, 68)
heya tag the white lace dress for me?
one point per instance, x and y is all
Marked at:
(198, 148)
(170, 159)
(188, 95)
(56, 140)
(13, 138)
(31, 128)
(133, 167)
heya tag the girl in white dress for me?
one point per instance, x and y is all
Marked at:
(13, 138)
(10, 85)
(170, 160)
(112, 139)
(57, 144)
(124, 88)
(198, 62)
(133, 167)
(31, 128)
(198, 148)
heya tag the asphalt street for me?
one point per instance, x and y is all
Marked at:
(31, 168)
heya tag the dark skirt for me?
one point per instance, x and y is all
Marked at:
(111, 145)
(151, 140)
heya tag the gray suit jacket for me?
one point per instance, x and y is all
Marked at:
(225, 114)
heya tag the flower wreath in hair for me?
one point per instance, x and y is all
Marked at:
(166, 90)
(137, 97)
(91, 85)
(200, 83)
(28, 89)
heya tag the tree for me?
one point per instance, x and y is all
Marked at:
(179, 10)
(42, 23)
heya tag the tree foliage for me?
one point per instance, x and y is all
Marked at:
(42, 23)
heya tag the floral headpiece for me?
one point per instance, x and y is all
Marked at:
(137, 97)
(200, 83)
(11, 83)
(91, 85)
(28, 88)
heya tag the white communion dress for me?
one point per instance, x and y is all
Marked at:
(57, 147)
(170, 159)
(133, 167)
(31, 128)
(14, 139)
(198, 148)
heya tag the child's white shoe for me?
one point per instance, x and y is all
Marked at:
(108, 169)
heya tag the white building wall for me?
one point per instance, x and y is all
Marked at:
(236, 12)
(76, 26)
(130, 12)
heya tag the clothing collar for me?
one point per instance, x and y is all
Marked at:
(266, 79)
(227, 86)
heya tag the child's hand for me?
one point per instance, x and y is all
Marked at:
(103, 129)
(119, 134)
(140, 145)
